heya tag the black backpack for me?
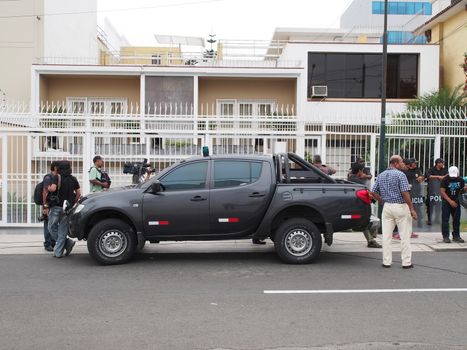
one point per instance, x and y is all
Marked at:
(38, 192)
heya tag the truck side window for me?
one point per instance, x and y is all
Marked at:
(235, 173)
(187, 177)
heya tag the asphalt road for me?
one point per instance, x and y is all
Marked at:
(217, 301)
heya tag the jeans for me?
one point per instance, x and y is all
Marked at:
(48, 241)
(448, 211)
(58, 228)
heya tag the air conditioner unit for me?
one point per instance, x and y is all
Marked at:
(319, 91)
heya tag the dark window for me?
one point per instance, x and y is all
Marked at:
(359, 75)
(235, 173)
(187, 177)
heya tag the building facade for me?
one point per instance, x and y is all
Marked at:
(448, 29)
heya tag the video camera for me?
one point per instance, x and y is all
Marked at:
(138, 169)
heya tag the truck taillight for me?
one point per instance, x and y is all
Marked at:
(364, 195)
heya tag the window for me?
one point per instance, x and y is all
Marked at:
(398, 37)
(97, 105)
(246, 107)
(187, 177)
(235, 173)
(156, 60)
(359, 75)
(402, 8)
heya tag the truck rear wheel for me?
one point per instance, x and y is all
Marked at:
(297, 241)
(111, 242)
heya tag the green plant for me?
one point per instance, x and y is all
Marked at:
(445, 97)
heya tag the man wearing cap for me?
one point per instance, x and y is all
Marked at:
(451, 187)
(433, 176)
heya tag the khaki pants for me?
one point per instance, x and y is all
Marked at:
(397, 214)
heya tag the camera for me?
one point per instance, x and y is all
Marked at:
(138, 168)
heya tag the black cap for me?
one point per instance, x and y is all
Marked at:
(439, 160)
(410, 161)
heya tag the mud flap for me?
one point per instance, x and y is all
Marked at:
(328, 235)
(141, 240)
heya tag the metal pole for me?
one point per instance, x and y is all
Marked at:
(382, 132)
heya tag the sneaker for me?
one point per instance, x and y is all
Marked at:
(446, 240)
(408, 266)
(386, 266)
(49, 248)
(374, 244)
(428, 222)
(69, 247)
(396, 236)
(58, 256)
(413, 235)
(458, 240)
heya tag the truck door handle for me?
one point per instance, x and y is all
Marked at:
(257, 194)
(198, 199)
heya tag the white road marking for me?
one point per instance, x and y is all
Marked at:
(362, 291)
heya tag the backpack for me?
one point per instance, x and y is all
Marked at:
(38, 192)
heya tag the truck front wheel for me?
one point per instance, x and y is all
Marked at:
(111, 242)
(297, 241)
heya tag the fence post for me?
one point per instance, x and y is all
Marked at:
(300, 149)
(323, 149)
(88, 153)
(29, 179)
(4, 140)
(373, 157)
(437, 150)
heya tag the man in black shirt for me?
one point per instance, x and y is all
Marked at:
(451, 187)
(434, 176)
(68, 190)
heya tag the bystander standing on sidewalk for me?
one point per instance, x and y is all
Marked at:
(451, 187)
(391, 189)
(50, 181)
(95, 175)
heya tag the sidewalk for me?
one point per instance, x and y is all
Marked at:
(29, 241)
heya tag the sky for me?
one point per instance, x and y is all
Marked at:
(139, 20)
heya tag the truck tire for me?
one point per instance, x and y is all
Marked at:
(297, 241)
(111, 242)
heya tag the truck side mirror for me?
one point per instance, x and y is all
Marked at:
(156, 187)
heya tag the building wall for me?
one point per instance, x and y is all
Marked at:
(282, 90)
(363, 110)
(143, 55)
(71, 35)
(169, 90)
(453, 43)
(21, 42)
(60, 87)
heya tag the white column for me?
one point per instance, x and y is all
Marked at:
(29, 179)
(4, 141)
(437, 150)
(373, 157)
(323, 144)
(35, 93)
(195, 109)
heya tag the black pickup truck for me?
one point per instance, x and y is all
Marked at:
(281, 197)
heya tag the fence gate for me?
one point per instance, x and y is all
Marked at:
(3, 176)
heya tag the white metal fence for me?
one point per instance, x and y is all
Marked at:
(30, 141)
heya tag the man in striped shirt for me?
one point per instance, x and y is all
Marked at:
(392, 190)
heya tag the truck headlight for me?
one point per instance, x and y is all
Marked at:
(78, 208)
